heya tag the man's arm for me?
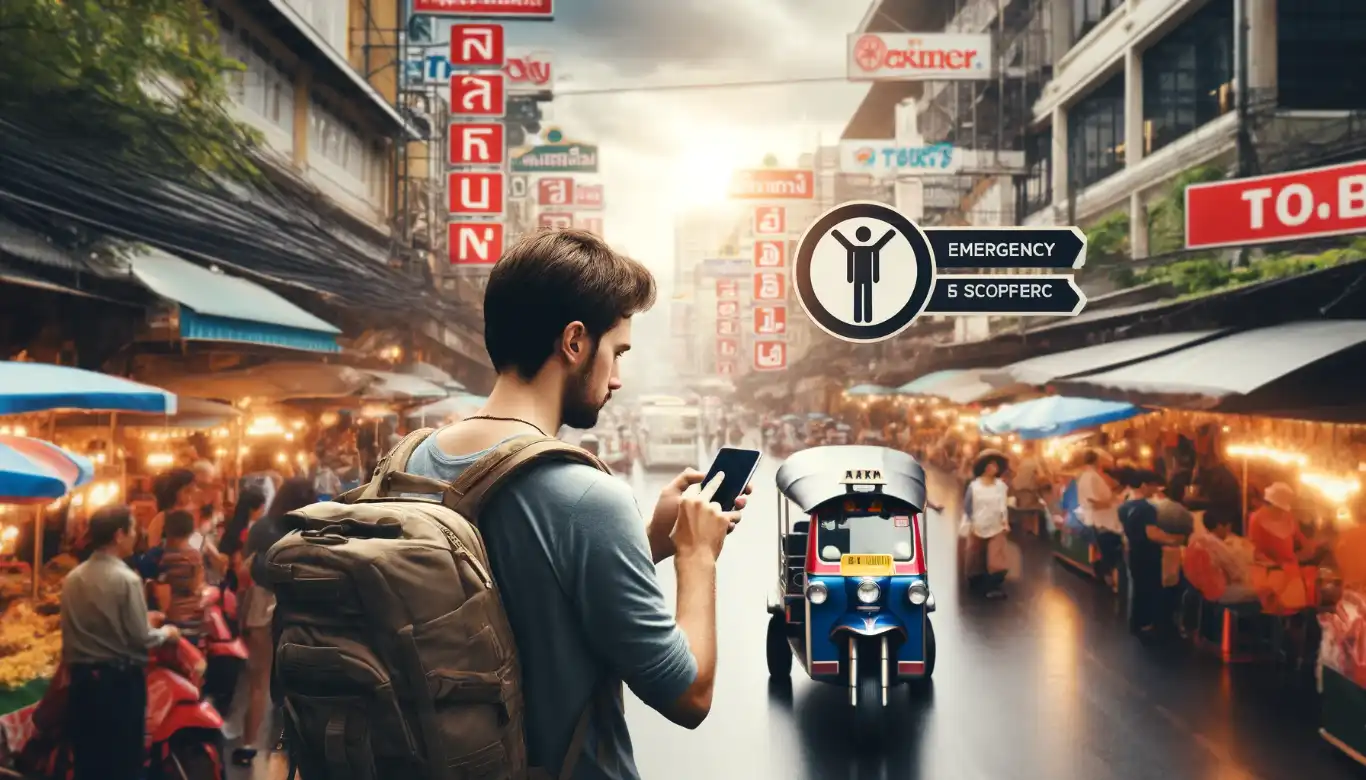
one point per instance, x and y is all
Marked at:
(135, 618)
(669, 661)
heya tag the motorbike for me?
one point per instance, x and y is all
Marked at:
(224, 650)
(183, 731)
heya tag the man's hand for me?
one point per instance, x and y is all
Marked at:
(666, 512)
(172, 634)
(701, 527)
(156, 619)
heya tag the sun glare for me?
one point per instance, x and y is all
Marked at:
(701, 174)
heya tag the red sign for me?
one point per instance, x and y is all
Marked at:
(588, 196)
(479, 94)
(477, 144)
(474, 243)
(591, 224)
(554, 220)
(773, 184)
(475, 192)
(770, 320)
(769, 254)
(727, 348)
(770, 355)
(769, 286)
(770, 220)
(555, 191)
(727, 309)
(529, 73)
(725, 368)
(519, 9)
(727, 289)
(728, 328)
(1311, 203)
(477, 46)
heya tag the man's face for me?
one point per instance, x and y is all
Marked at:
(595, 377)
(127, 540)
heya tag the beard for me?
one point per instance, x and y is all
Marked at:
(578, 407)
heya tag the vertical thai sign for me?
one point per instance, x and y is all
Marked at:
(477, 185)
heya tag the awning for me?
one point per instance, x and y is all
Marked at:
(968, 387)
(217, 307)
(1224, 373)
(1044, 418)
(923, 384)
(869, 390)
(40, 387)
(389, 386)
(273, 382)
(1039, 371)
(193, 413)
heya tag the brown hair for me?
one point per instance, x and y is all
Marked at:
(106, 523)
(549, 279)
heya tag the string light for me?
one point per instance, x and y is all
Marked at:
(1337, 490)
(265, 426)
(1280, 457)
(160, 460)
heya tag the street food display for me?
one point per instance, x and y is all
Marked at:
(853, 598)
(30, 642)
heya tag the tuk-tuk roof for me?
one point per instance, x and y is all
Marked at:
(820, 474)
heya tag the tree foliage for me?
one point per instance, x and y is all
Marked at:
(142, 80)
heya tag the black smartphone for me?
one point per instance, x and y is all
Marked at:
(739, 466)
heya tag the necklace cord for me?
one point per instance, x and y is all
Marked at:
(508, 419)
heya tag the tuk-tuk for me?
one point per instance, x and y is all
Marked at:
(853, 597)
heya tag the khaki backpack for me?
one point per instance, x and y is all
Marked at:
(393, 652)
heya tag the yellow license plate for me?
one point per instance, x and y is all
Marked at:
(866, 566)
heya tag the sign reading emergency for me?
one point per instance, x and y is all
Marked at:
(475, 192)
(769, 254)
(554, 191)
(477, 46)
(1311, 203)
(727, 309)
(770, 220)
(769, 286)
(770, 320)
(477, 144)
(773, 184)
(727, 348)
(728, 328)
(770, 355)
(543, 10)
(727, 289)
(919, 57)
(553, 220)
(479, 94)
(474, 243)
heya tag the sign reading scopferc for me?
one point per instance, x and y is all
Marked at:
(919, 57)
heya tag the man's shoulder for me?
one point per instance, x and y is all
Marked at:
(576, 486)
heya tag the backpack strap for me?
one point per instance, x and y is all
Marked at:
(390, 477)
(472, 489)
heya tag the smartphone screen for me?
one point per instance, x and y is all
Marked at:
(739, 466)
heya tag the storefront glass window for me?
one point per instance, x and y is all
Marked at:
(1095, 134)
(1188, 76)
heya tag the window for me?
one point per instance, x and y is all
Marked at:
(1095, 134)
(266, 86)
(1034, 190)
(341, 143)
(1188, 76)
(865, 528)
(1321, 59)
(1086, 14)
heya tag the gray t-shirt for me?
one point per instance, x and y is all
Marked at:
(569, 553)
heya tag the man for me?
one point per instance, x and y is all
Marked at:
(1150, 608)
(574, 563)
(105, 639)
(1100, 511)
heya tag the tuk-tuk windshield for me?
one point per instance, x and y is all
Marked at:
(865, 527)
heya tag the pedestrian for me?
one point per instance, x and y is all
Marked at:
(180, 576)
(574, 563)
(1150, 608)
(251, 506)
(1100, 500)
(985, 524)
(175, 489)
(106, 633)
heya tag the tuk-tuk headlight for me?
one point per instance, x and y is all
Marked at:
(817, 593)
(869, 592)
(918, 593)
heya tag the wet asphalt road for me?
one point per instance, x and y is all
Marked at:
(1045, 685)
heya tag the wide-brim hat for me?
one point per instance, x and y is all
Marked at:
(986, 456)
(1280, 495)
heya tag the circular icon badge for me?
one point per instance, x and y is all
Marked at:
(869, 52)
(863, 272)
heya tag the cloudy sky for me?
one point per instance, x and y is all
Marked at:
(663, 151)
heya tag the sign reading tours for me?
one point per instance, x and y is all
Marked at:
(522, 10)
(770, 220)
(919, 57)
(773, 184)
(863, 272)
(1311, 203)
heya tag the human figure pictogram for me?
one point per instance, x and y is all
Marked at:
(864, 268)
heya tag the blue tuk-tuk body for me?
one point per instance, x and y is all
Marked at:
(853, 598)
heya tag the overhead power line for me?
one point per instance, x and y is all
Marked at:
(699, 86)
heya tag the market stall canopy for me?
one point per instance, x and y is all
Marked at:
(447, 407)
(217, 307)
(192, 413)
(40, 387)
(1039, 371)
(389, 386)
(868, 390)
(1235, 373)
(1055, 415)
(922, 385)
(36, 471)
(434, 375)
(280, 381)
(968, 387)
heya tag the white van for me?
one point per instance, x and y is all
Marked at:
(670, 435)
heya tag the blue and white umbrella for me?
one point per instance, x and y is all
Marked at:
(40, 387)
(1055, 415)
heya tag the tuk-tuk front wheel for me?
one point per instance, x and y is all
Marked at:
(777, 649)
(929, 649)
(869, 714)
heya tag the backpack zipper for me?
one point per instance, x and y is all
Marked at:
(460, 552)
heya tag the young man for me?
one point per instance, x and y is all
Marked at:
(105, 639)
(575, 564)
